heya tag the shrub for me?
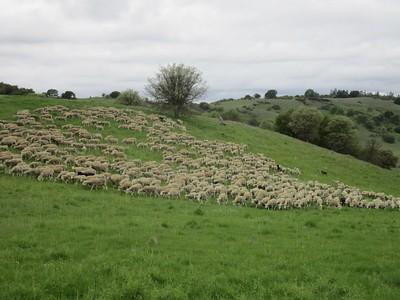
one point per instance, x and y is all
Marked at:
(231, 115)
(387, 159)
(276, 107)
(375, 155)
(266, 125)
(253, 122)
(248, 97)
(336, 110)
(397, 101)
(115, 94)
(257, 96)
(366, 121)
(397, 130)
(388, 138)
(205, 106)
(130, 97)
(219, 109)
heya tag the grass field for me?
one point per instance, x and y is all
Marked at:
(62, 241)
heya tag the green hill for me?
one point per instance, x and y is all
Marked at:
(358, 109)
(63, 241)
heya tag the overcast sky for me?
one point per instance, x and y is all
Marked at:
(97, 46)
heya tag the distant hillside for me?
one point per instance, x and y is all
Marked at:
(373, 117)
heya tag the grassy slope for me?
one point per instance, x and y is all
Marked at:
(310, 159)
(63, 241)
(263, 112)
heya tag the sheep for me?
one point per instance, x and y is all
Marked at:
(95, 181)
(85, 171)
(200, 169)
(129, 141)
(222, 198)
(111, 139)
(9, 140)
(66, 176)
(45, 173)
(20, 169)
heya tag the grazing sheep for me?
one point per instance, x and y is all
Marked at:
(85, 171)
(199, 169)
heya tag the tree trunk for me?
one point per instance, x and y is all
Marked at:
(178, 109)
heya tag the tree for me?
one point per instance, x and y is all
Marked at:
(355, 94)
(388, 138)
(232, 115)
(8, 89)
(310, 93)
(271, 94)
(342, 94)
(387, 159)
(397, 101)
(130, 97)
(305, 123)
(52, 93)
(253, 122)
(248, 97)
(176, 85)
(68, 95)
(337, 134)
(375, 155)
(282, 122)
(257, 96)
(115, 94)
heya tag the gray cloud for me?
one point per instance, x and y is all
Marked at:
(96, 46)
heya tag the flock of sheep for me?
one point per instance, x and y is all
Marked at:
(57, 143)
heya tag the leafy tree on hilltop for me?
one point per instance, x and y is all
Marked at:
(52, 93)
(68, 95)
(114, 94)
(271, 94)
(310, 93)
(177, 85)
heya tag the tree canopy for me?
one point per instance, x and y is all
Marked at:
(176, 85)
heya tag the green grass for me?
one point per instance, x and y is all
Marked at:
(62, 241)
